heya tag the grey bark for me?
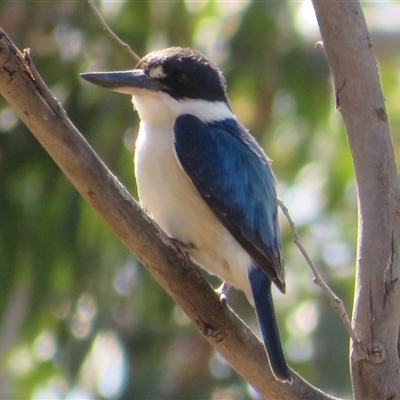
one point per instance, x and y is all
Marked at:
(376, 315)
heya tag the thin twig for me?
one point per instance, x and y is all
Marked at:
(108, 30)
(336, 303)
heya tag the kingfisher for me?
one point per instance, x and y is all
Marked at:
(204, 179)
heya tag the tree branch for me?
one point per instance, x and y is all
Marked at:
(376, 315)
(336, 303)
(43, 115)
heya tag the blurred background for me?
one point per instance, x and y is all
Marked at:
(80, 318)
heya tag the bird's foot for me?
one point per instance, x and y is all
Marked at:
(222, 291)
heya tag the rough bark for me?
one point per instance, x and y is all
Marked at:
(376, 315)
(24, 90)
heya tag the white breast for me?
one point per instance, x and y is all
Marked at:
(172, 201)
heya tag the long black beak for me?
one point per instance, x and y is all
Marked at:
(124, 81)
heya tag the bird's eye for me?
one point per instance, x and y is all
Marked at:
(180, 77)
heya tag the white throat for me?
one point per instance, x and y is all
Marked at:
(160, 109)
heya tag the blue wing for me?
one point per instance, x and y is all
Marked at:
(233, 176)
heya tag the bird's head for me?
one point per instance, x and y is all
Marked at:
(170, 82)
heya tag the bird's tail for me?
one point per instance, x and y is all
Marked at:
(264, 306)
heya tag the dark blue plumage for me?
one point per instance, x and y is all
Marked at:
(261, 288)
(234, 178)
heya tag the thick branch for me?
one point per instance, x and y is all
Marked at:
(43, 115)
(376, 316)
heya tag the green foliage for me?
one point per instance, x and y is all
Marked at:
(78, 315)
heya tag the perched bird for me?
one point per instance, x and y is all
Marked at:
(204, 179)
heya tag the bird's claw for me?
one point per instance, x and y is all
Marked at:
(222, 292)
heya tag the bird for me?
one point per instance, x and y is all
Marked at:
(204, 179)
